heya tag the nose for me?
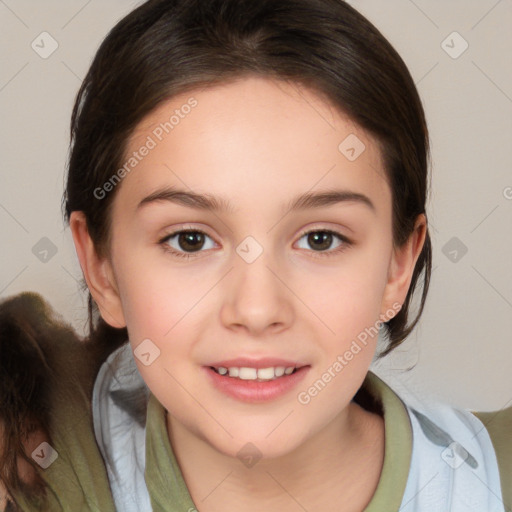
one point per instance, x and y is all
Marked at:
(256, 300)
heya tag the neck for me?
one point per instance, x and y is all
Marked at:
(341, 462)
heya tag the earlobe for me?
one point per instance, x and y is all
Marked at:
(97, 272)
(402, 265)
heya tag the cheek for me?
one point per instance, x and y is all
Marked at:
(155, 293)
(155, 305)
(159, 306)
(350, 306)
(347, 298)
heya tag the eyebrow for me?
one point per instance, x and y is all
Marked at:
(217, 204)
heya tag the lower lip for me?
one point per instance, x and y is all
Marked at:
(252, 391)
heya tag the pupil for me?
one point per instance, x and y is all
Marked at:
(191, 241)
(320, 237)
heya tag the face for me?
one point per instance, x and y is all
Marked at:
(214, 258)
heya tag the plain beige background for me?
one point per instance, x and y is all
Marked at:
(462, 350)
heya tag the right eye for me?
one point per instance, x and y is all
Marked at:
(185, 242)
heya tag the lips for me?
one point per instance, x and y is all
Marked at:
(247, 389)
(256, 379)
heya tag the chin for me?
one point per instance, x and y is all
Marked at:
(252, 446)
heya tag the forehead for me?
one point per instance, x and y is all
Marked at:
(251, 138)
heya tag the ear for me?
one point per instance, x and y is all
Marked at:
(98, 273)
(401, 267)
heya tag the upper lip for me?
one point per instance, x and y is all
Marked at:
(263, 362)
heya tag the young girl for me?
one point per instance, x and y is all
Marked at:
(246, 194)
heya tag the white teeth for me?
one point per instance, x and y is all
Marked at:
(279, 371)
(248, 374)
(266, 373)
(261, 374)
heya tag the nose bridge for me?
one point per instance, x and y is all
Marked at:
(252, 271)
(257, 299)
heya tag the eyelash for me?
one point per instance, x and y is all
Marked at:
(321, 254)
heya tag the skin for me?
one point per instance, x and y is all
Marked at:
(257, 143)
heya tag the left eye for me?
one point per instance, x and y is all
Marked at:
(321, 240)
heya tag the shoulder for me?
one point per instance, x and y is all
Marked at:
(499, 426)
(46, 377)
(481, 442)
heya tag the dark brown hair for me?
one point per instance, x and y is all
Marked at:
(41, 359)
(168, 47)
